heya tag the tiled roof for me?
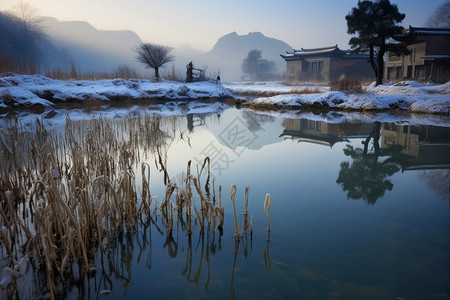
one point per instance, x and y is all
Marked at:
(429, 30)
(298, 54)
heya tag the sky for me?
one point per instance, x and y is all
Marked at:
(199, 23)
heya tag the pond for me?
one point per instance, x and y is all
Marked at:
(358, 210)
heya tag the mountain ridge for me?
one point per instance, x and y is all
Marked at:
(104, 50)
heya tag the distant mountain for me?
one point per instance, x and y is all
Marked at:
(103, 50)
(231, 49)
(89, 48)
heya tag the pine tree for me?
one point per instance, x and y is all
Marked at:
(376, 29)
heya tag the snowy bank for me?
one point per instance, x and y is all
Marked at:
(407, 96)
(28, 90)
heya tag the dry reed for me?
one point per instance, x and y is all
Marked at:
(64, 196)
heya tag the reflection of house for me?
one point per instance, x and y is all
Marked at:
(325, 64)
(421, 147)
(429, 57)
(323, 133)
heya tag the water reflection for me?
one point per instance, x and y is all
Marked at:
(322, 133)
(365, 177)
(386, 149)
(419, 147)
(160, 247)
(402, 148)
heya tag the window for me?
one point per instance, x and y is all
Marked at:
(409, 72)
(305, 66)
(389, 72)
(320, 66)
(397, 72)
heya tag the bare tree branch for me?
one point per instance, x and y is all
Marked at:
(154, 56)
(441, 16)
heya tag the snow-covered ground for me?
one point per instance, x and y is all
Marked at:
(403, 102)
(407, 96)
(28, 90)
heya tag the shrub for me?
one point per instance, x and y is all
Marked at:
(347, 85)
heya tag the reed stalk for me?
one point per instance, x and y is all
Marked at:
(251, 224)
(202, 200)
(232, 195)
(63, 197)
(247, 189)
(267, 202)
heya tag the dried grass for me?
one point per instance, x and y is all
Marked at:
(62, 197)
(273, 93)
(347, 85)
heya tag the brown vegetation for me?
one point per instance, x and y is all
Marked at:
(63, 197)
(347, 85)
(72, 72)
(272, 93)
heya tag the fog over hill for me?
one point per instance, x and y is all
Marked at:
(103, 50)
(231, 49)
(89, 48)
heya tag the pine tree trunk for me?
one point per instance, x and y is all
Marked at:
(372, 62)
(380, 61)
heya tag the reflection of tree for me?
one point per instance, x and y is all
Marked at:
(439, 181)
(255, 121)
(365, 177)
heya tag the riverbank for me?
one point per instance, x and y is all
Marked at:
(405, 96)
(40, 93)
(18, 91)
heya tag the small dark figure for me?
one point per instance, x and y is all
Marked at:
(189, 72)
(218, 79)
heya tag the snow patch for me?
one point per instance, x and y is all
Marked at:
(33, 89)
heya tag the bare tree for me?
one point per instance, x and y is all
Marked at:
(154, 56)
(28, 16)
(441, 16)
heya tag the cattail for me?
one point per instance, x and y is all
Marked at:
(267, 202)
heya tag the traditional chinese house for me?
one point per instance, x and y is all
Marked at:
(326, 64)
(429, 57)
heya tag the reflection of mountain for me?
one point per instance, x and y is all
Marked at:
(422, 147)
(322, 133)
(247, 129)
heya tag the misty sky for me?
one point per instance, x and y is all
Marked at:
(199, 23)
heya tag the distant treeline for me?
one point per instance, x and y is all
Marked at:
(21, 40)
(26, 49)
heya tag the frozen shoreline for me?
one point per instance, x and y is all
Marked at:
(406, 102)
(29, 90)
(405, 96)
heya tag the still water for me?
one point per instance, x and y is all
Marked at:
(358, 211)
